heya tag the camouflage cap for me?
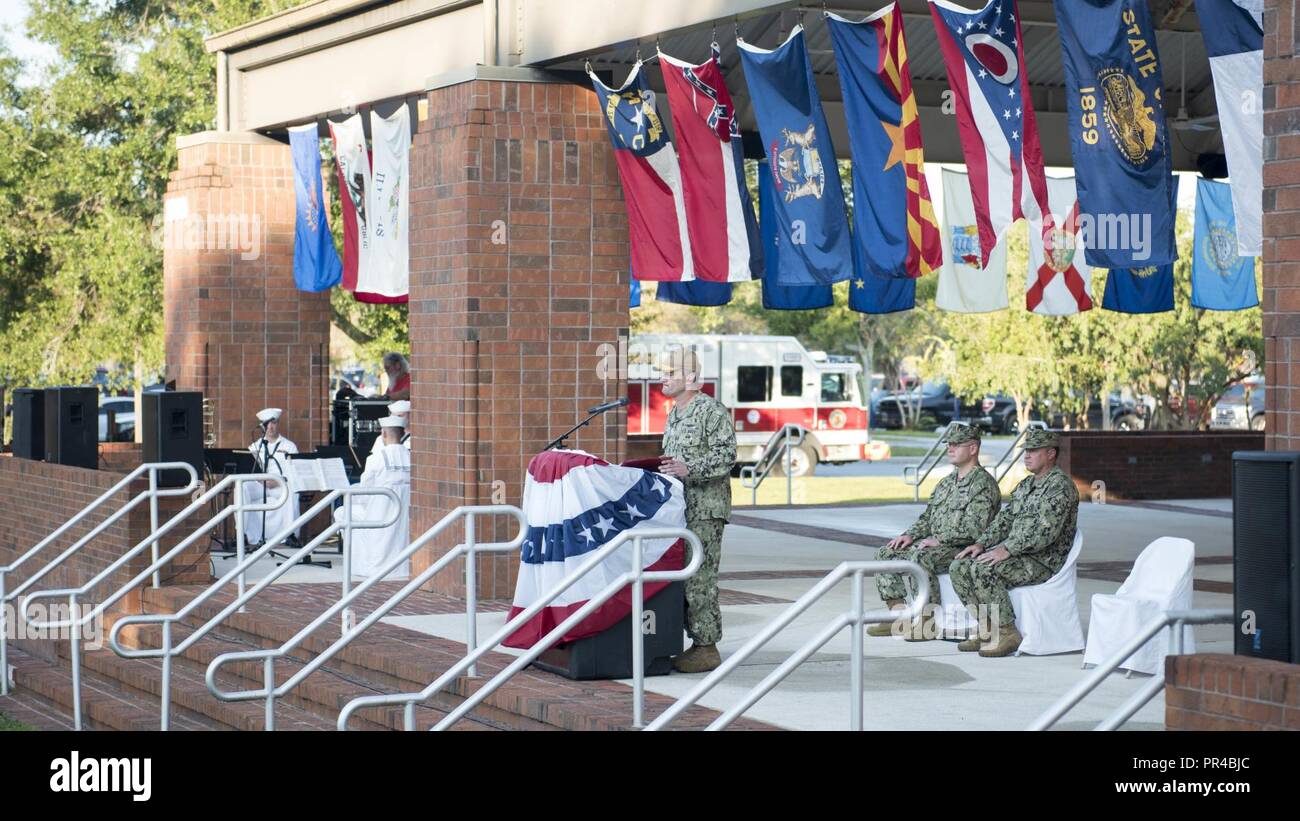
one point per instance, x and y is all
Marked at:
(961, 434)
(1039, 438)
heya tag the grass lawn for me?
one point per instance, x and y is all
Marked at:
(9, 724)
(822, 490)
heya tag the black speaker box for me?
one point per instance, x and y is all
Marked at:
(72, 426)
(29, 423)
(173, 432)
(1266, 554)
(608, 654)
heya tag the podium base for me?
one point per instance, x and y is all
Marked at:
(608, 655)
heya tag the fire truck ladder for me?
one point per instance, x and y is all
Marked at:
(778, 448)
(915, 475)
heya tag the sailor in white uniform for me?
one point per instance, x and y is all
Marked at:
(271, 453)
(389, 465)
(402, 408)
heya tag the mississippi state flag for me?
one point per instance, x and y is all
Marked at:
(652, 185)
(576, 503)
(984, 54)
(712, 166)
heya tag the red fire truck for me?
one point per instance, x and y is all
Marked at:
(766, 382)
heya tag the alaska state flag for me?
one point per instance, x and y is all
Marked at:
(1147, 289)
(575, 504)
(1118, 134)
(782, 297)
(811, 221)
(316, 265)
(1221, 280)
(893, 216)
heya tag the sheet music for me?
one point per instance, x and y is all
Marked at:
(333, 473)
(306, 475)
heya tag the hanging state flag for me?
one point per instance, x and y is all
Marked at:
(893, 215)
(782, 297)
(316, 265)
(966, 286)
(811, 221)
(652, 185)
(389, 206)
(1234, 40)
(1118, 134)
(1222, 280)
(1146, 289)
(711, 160)
(352, 161)
(1059, 281)
(634, 293)
(700, 293)
(576, 503)
(985, 59)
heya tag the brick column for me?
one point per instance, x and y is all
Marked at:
(1281, 226)
(236, 327)
(518, 290)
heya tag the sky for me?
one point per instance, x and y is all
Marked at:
(34, 55)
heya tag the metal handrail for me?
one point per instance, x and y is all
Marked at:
(153, 493)
(1000, 469)
(469, 550)
(636, 577)
(75, 623)
(854, 618)
(1179, 619)
(751, 476)
(921, 471)
(167, 652)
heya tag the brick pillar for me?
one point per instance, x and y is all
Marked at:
(519, 289)
(236, 327)
(1281, 226)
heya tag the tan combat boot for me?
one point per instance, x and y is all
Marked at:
(701, 658)
(922, 629)
(885, 628)
(1008, 641)
(971, 644)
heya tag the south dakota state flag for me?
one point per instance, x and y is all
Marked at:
(812, 225)
(575, 504)
(782, 297)
(1221, 280)
(1118, 134)
(316, 265)
(893, 215)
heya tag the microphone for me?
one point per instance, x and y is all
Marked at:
(618, 403)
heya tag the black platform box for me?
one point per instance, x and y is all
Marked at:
(608, 655)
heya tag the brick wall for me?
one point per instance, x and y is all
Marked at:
(1155, 464)
(518, 275)
(39, 497)
(1281, 225)
(237, 328)
(1222, 692)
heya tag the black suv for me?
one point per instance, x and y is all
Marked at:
(938, 405)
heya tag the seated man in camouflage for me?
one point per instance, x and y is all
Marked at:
(962, 505)
(1029, 540)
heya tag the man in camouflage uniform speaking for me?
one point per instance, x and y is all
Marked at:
(1026, 544)
(700, 449)
(962, 505)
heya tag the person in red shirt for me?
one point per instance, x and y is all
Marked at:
(399, 376)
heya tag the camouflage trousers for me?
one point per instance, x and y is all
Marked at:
(703, 615)
(982, 583)
(934, 560)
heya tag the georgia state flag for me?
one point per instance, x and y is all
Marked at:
(576, 503)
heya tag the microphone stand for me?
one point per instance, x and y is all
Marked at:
(558, 442)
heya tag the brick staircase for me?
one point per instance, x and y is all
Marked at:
(123, 694)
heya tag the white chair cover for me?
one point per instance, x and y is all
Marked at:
(1047, 614)
(1161, 580)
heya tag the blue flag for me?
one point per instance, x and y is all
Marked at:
(1145, 289)
(698, 292)
(1118, 134)
(634, 293)
(1221, 280)
(316, 265)
(811, 221)
(782, 297)
(871, 294)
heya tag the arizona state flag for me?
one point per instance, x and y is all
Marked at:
(894, 216)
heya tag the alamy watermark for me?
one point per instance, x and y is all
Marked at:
(55, 622)
(179, 229)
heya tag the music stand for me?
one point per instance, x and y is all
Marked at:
(222, 462)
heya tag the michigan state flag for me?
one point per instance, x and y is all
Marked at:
(815, 246)
(1117, 132)
(316, 265)
(782, 297)
(1221, 280)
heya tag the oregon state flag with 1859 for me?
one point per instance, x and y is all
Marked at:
(1117, 132)
(893, 216)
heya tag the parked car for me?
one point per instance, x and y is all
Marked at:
(936, 405)
(1241, 407)
(122, 410)
(1125, 414)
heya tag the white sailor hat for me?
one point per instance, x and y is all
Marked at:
(399, 408)
(267, 414)
(393, 422)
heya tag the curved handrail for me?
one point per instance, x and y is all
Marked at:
(468, 549)
(999, 469)
(166, 620)
(854, 618)
(635, 577)
(1177, 618)
(751, 476)
(921, 470)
